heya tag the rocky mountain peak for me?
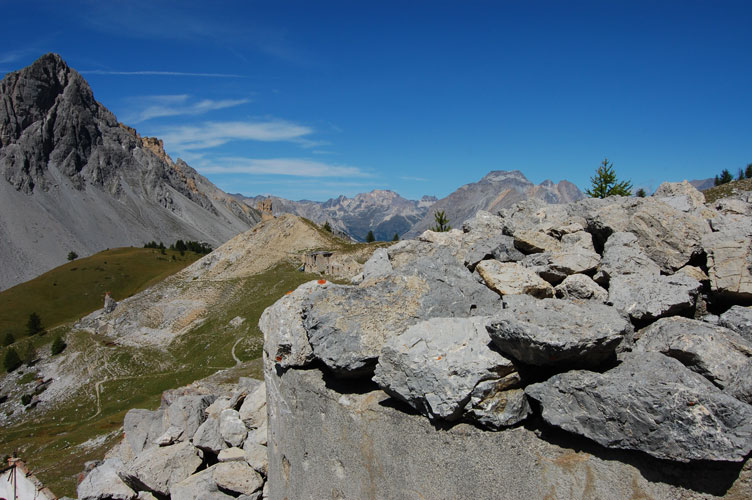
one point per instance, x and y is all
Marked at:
(505, 175)
(83, 181)
(27, 95)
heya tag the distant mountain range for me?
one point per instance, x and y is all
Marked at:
(74, 179)
(386, 213)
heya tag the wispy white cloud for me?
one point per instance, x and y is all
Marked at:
(175, 105)
(298, 167)
(417, 179)
(158, 73)
(212, 134)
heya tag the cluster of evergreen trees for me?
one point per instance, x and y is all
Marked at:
(16, 355)
(182, 246)
(726, 177)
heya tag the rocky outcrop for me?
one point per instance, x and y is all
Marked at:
(649, 403)
(539, 396)
(73, 179)
(219, 452)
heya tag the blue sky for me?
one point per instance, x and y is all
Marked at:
(311, 100)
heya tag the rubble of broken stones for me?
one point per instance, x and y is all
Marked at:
(201, 444)
(625, 321)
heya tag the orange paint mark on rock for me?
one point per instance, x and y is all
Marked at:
(322, 282)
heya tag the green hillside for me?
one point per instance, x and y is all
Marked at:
(77, 288)
(60, 441)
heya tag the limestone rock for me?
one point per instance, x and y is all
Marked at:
(622, 255)
(142, 427)
(256, 456)
(170, 436)
(649, 403)
(231, 428)
(348, 325)
(231, 455)
(496, 404)
(680, 195)
(668, 236)
(535, 241)
(187, 413)
(569, 259)
(693, 272)
(730, 262)
(554, 332)
(257, 435)
(580, 287)
(158, 469)
(377, 265)
(714, 352)
(435, 365)
(237, 477)
(498, 246)
(511, 278)
(285, 338)
(208, 436)
(103, 483)
(739, 319)
(741, 386)
(649, 297)
(254, 407)
(219, 404)
(200, 486)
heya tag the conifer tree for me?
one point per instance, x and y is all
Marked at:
(442, 222)
(396, 237)
(604, 183)
(370, 238)
(11, 360)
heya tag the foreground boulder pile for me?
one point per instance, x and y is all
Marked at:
(621, 323)
(201, 444)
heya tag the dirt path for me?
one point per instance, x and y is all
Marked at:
(237, 361)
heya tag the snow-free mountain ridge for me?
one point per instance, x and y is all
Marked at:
(72, 178)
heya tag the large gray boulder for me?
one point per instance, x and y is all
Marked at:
(580, 287)
(199, 486)
(497, 246)
(680, 195)
(158, 469)
(650, 403)
(142, 428)
(237, 477)
(739, 319)
(348, 325)
(554, 332)
(434, 366)
(103, 483)
(670, 237)
(208, 437)
(232, 428)
(285, 337)
(716, 353)
(187, 413)
(729, 256)
(498, 403)
(511, 278)
(649, 297)
(622, 255)
(377, 265)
